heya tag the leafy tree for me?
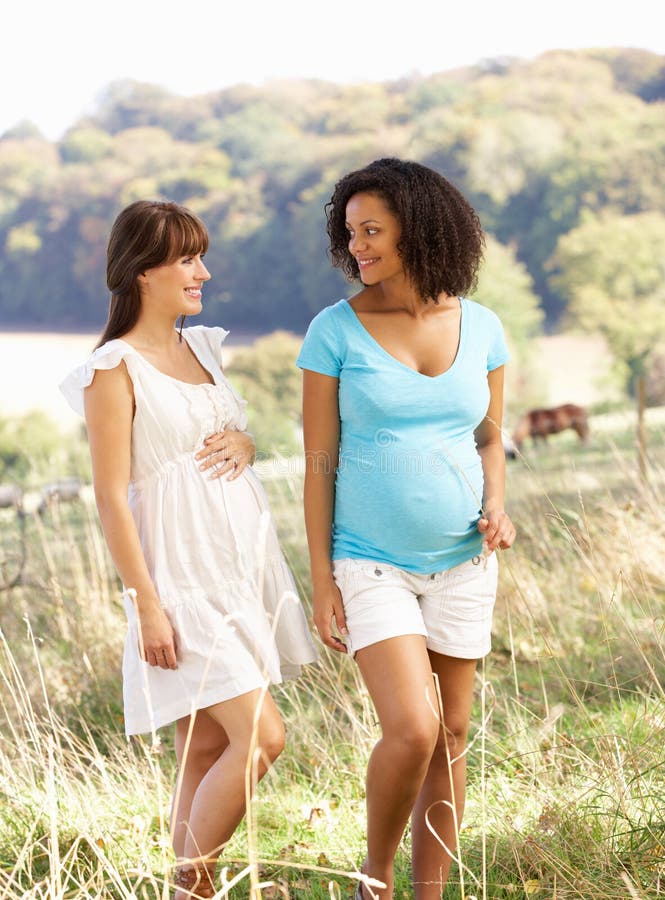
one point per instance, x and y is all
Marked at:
(31, 447)
(505, 286)
(85, 144)
(265, 374)
(613, 270)
(23, 131)
(530, 148)
(128, 104)
(26, 168)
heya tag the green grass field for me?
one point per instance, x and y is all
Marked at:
(566, 763)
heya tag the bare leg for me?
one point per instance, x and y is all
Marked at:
(398, 675)
(215, 798)
(438, 796)
(196, 752)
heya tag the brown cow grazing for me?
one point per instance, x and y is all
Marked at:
(540, 423)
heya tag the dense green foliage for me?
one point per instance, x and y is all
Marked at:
(535, 145)
(613, 269)
(32, 448)
(266, 376)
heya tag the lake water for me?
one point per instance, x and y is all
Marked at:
(32, 365)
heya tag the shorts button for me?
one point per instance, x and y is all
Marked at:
(378, 571)
(475, 560)
(432, 576)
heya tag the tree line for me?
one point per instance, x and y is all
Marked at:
(562, 155)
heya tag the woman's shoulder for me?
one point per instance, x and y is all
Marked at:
(480, 313)
(323, 347)
(206, 332)
(207, 338)
(329, 316)
(104, 358)
(110, 355)
(334, 309)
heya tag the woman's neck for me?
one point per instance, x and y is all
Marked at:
(155, 332)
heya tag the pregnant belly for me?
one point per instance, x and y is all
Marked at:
(197, 530)
(417, 511)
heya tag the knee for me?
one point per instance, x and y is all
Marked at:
(452, 739)
(201, 751)
(201, 759)
(417, 740)
(272, 739)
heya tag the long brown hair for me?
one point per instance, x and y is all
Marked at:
(146, 234)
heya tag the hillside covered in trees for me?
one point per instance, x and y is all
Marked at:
(571, 140)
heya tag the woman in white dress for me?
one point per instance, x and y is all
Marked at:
(213, 613)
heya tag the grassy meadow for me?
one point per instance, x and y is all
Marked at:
(566, 764)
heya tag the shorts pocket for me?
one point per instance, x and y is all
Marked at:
(469, 593)
(344, 574)
(379, 572)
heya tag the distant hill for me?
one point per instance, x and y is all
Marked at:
(535, 145)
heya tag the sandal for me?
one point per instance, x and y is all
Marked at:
(196, 882)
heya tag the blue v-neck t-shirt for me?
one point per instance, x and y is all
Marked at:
(409, 482)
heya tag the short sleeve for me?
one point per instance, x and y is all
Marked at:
(107, 356)
(211, 336)
(321, 349)
(497, 349)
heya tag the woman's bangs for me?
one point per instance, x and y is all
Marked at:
(187, 236)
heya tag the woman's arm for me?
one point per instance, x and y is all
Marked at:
(109, 410)
(495, 524)
(321, 436)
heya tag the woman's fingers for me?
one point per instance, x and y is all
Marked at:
(332, 641)
(508, 538)
(340, 618)
(324, 626)
(157, 640)
(499, 532)
(226, 452)
(162, 657)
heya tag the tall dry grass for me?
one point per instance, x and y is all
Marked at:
(566, 763)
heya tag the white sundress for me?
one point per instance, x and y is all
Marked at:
(210, 545)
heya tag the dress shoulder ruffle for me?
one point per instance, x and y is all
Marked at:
(211, 336)
(108, 356)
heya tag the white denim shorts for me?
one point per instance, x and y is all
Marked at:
(452, 609)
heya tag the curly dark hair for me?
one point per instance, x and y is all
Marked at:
(442, 240)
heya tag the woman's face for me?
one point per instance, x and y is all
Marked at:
(175, 287)
(374, 233)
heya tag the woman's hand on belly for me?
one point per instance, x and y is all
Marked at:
(227, 451)
(328, 608)
(157, 642)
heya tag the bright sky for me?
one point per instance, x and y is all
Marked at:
(57, 57)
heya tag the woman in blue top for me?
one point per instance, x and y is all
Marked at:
(404, 493)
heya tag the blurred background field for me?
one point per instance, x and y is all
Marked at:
(34, 363)
(567, 782)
